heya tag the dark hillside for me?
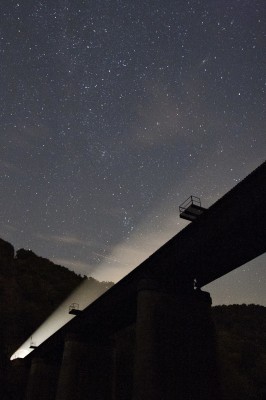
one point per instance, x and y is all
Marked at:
(31, 287)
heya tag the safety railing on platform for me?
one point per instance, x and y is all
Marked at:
(191, 208)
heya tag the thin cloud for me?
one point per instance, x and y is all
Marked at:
(9, 228)
(71, 240)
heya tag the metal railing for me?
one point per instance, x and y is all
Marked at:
(188, 202)
(73, 306)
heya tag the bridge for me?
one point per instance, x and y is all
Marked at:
(151, 335)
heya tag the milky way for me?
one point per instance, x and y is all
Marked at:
(114, 112)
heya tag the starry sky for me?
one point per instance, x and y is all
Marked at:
(113, 112)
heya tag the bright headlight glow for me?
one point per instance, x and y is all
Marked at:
(124, 258)
(84, 295)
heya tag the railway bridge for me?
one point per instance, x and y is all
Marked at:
(151, 335)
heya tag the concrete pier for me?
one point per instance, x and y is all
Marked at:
(175, 346)
(42, 380)
(14, 383)
(123, 364)
(85, 371)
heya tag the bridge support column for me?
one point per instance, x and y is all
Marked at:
(175, 346)
(203, 377)
(123, 366)
(15, 382)
(85, 371)
(42, 380)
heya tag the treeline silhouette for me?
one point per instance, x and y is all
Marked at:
(32, 287)
(241, 342)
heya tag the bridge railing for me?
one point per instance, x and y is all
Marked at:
(188, 202)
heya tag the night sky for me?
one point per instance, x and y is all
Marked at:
(114, 112)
